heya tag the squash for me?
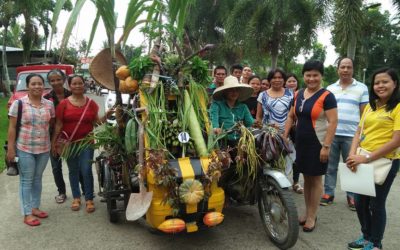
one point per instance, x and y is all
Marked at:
(191, 192)
(122, 72)
(172, 226)
(213, 218)
(131, 85)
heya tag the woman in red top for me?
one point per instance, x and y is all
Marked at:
(68, 115)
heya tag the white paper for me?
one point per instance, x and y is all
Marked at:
(360, 182)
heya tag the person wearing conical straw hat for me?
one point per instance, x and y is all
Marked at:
(226, 110)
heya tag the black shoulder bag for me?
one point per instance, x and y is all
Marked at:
(12, 168)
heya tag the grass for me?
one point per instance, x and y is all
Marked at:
(3, 129)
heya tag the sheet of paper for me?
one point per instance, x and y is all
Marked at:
(360, 182)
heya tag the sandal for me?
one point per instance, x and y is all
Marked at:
(40, 214)
(32, 223)
(76, 204)
(60, 198)
(90, 206)
(298, 188)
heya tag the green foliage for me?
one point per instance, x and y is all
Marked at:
(197, 69)
(140, 66)
(318, 52)
(3, 129)
(347, 25)
(330, 75)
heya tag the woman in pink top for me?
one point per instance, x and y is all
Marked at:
(32, 146)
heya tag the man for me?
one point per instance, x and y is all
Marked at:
(220, 73)
(236, 71)
(246, 74)
(351, 97)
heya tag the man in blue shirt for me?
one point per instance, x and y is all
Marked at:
(351, 97)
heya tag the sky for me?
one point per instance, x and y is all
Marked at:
(83, 28)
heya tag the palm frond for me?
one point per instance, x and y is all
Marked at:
(135, 9)
(109, 17)
(70, 25)
(93, 32)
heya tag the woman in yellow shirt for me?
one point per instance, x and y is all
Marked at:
(381, 137)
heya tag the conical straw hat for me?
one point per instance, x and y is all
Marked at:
(101, 67)
(230, 82)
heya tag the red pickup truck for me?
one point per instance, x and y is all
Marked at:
(20, 89)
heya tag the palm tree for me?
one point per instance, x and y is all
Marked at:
(262, 26)
(348, 22)
(7, 14)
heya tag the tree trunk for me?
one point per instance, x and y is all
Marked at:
(6, 83)
(351, 47)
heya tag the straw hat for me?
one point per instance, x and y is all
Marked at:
(101, 67)
(231, 82)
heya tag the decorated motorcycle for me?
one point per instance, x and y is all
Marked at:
(162, 163)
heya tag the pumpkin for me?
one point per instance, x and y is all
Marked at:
(131, 85)
(213, 218)
(191, 192)
(122, 72)
(172, 226)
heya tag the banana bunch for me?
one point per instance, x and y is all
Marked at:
(171, 132)
(270, 143)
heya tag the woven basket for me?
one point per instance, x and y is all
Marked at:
(101, 67)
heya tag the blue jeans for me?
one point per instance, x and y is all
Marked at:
(31, 168)
(371, 211)
(81, 164)
(340, 146)
(56, 165)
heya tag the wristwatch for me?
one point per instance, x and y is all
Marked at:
(326, 146)
(368, 156)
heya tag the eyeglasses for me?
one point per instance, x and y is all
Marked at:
(302, 105)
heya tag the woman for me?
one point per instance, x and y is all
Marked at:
(31, 147)
(315, 110)
(68, 114)
(264, 84)
(57, 78)
(292, 83)
(251, 102)
(274, 104)
(226, 109)
(380, 136)
(246, 74)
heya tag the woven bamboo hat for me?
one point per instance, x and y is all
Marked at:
(101, 67)
(231, 82)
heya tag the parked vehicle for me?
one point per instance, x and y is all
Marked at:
(109, 102)
(20, 89)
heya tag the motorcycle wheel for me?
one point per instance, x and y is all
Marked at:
(278, 213)
(111, 201)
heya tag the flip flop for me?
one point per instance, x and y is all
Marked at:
(60, 198)
(298, 188)
(41, 214)
(32, 223)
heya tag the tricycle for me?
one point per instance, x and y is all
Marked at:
(165, 165)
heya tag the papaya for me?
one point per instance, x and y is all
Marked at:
(172, 226)
(213, 218)
(122, 72)
(122, 86)
(131, 85)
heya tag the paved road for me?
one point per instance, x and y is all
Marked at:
(242, 228)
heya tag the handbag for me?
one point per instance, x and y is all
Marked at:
(12, 167)
(381, 166)
(63, 140)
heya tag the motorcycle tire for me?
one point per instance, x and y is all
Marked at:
(278, 213)
(111, 201)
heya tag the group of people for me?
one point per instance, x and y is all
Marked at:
(43, 119)
(324, 124)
